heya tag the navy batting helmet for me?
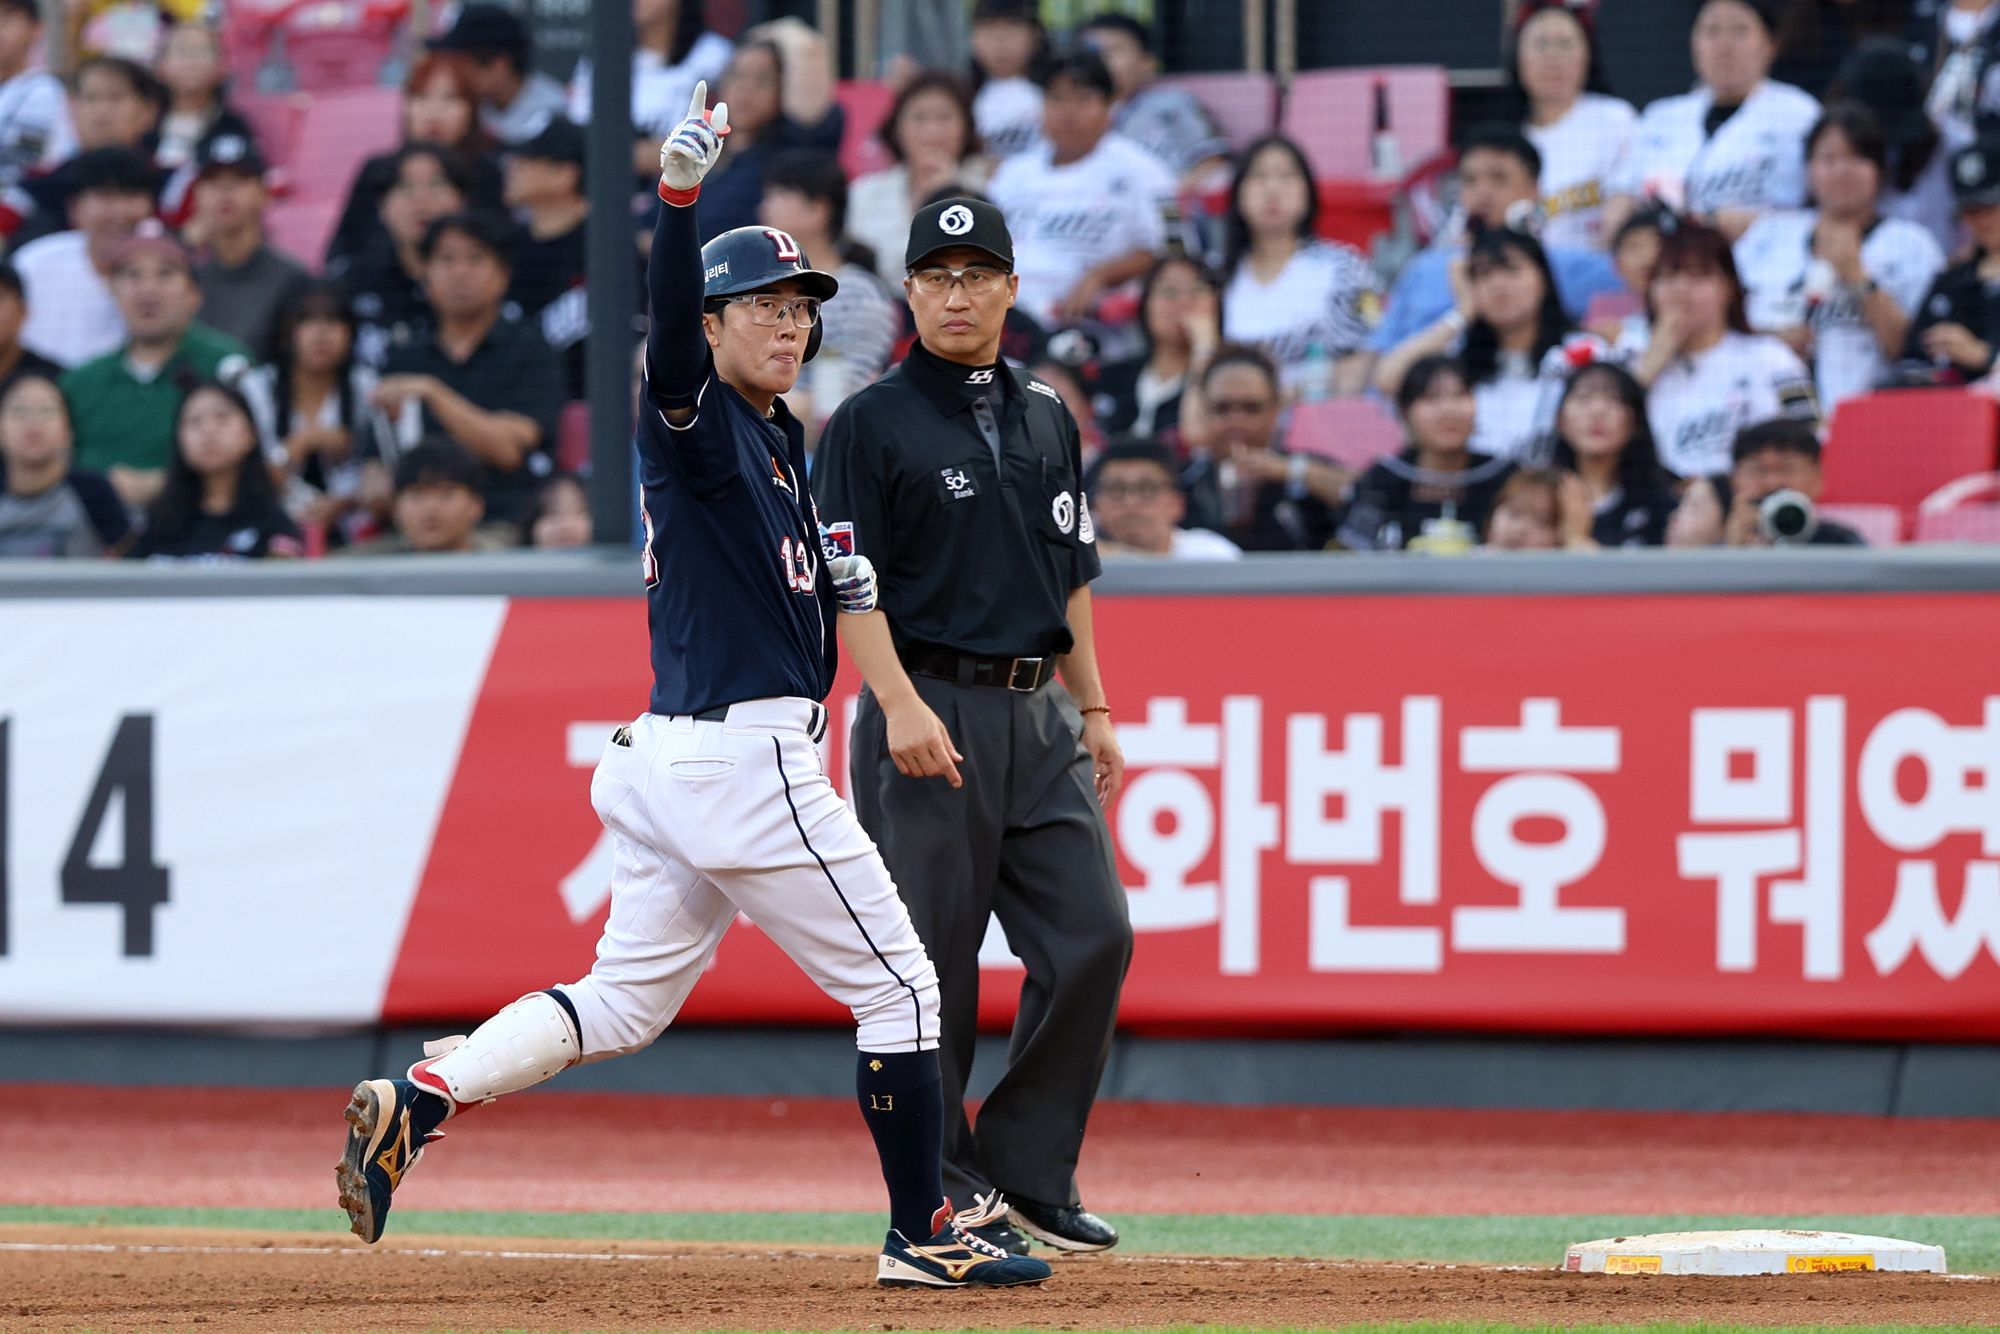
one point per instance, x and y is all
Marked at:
(750, 259)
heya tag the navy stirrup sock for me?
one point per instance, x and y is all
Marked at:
(902, 1099)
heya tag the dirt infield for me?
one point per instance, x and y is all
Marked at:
(217, 1282)
(607, 1151)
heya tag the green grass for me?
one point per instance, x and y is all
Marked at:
(1971, 1242)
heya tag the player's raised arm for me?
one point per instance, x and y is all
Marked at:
(677, 356)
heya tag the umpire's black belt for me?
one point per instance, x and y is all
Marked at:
(970, 669)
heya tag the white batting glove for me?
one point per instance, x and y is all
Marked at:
(692, 148)
(853, 583)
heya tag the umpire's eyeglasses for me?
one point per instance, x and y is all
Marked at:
(977, 279)
(766, 310)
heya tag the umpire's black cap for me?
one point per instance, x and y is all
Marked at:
(959, 222)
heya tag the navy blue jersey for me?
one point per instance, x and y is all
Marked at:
(737, 603)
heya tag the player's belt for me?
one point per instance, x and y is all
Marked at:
(1026, 675)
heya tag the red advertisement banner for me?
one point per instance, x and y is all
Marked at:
(1566, 815)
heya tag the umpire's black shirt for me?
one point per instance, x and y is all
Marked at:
(973, 553)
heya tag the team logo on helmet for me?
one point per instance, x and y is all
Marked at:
(1064, 510)
(956, 220)
(788, 249)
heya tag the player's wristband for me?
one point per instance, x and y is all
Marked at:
(678, 198)
(1104, 709)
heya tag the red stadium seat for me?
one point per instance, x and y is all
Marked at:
(1352, 432)
(1882, 525)
(573, 438)
(337, 44)
(344, 129)
(302, 227)
(1897, 446)
(864, 106)
(1244, 103)
(1331, 115)
(1972, 523)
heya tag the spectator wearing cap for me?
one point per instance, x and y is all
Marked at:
(1136, 501)
(515, 99)
(125, 402)
(545, 190)
(37, 133)
(1008, 43)
(673, 49)
(806, 194)
(1499, 173)
(244, 282)
(493, 386)
(1169, 123)
(72, 315)
(386, 279)
(1956, 327)
(440, 501)
(1084, 207)
(47, 506)
(779, 88)
(16, 361)
(1732, 148)
(1884, 76)
(116, 104)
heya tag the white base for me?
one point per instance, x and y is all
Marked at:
(1752, 1251)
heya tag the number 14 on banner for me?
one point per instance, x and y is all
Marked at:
(135, 883)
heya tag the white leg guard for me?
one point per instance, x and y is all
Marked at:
(528, 1042)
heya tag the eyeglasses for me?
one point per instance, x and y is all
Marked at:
(1239, 407)
(766, 310)
(978, 280)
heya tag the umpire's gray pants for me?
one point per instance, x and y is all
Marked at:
(1024, 839)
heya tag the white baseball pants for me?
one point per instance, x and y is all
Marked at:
(713, 817)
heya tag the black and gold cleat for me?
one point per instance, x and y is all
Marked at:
(387, 1131)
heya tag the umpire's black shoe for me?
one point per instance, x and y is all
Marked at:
(1003, 1235)
(1067, 1227)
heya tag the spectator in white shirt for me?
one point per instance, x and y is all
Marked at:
(1137, 505)
(1309, 303)
(1839, 283)
(72, 317)
(930, 135)
(1708, 376)
(1509, 318)
(1008, 41)
(672, 50)
(1581, 131)
(1732, 148)
(1084, 208)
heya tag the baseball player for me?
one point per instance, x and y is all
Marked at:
(716, 797)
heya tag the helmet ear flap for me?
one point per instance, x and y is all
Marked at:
(812, 341)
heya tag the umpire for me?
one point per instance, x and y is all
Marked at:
(980, 778)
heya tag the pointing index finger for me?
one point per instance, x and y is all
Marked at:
(700, 102)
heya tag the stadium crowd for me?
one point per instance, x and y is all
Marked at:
(1627, 329)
